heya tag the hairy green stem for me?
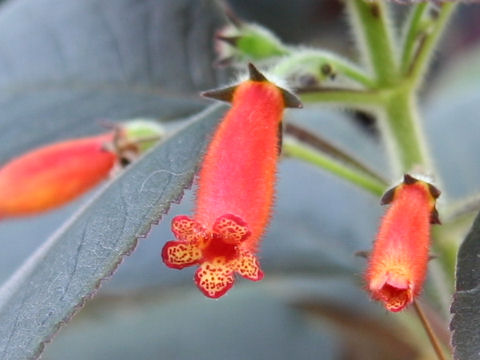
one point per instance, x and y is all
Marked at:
(403, 131)
(412, 32)
(320, 64)
(371, 22)
(298, 150)
(323, 146)
(356, 99)
(424, 53)
(391, 95)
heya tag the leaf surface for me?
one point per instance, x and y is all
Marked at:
(466, 304)
(64, 66)
(68, 268)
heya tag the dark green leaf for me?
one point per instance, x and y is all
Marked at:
(466, 304)
(65, 271)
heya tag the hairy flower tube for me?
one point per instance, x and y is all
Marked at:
(235, 188)
(52, 175)
(398, 263)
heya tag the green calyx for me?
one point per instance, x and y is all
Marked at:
(249, 42)
(258, 43)
(143, 132)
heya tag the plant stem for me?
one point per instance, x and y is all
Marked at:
(295, 149)
(321, 145)
(407, 143)
(424, 53)
(371, 20)
(429, 331)
(321, 64)
(356, 99)
(411, 35)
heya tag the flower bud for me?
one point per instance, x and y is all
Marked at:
(144, 132)
(398, 263)
(53, 175)
(247, 42)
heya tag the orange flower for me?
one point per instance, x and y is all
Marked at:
(398, 263)
(236, 188)
(53, 175)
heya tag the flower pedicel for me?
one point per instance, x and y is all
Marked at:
(235, 188)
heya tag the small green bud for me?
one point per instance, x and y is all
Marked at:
(248, 42)
(143, 132)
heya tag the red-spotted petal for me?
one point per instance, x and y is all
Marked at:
(187, 229)
(232, 229)
(214, 278)
(248, 266)
(180, 254)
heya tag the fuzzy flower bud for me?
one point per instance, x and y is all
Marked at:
(398, 263)
(53, 175)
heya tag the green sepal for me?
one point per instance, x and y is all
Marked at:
(143, 132)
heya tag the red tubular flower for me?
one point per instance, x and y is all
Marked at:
(53, 175)
(235, 190)
(398, 263)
